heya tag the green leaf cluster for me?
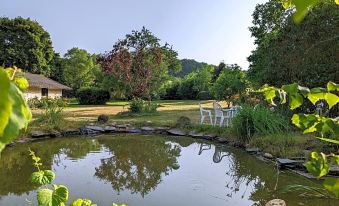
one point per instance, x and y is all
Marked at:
(296, 94)
(302, 7)
(14, 111)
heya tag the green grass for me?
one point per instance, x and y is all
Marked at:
(290, 144)
(161, 118)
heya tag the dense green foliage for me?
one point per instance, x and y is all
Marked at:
(305, 53)
(139, 64)
(14, 111)
(258, 121)
(25, 44)
(230, 84)
(92, 96)
(79, 68)
(138, 105)
(195, 82)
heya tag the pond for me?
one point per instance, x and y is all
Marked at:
(148, 171)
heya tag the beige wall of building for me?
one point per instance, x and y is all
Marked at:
(36, 92)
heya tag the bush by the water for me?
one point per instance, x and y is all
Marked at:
(138, 105)
(258, 121)
(92, 96)
(45, 102)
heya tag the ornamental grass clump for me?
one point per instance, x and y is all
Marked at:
(258, 121)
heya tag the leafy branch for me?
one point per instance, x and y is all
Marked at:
(319, 163)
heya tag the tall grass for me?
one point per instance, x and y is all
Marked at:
(52, 116)
(258, 121)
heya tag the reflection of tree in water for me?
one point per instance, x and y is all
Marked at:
(137, 163)
(16, 165)
(247, 174)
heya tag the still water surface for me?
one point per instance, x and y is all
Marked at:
(148, 171)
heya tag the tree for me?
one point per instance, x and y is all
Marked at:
(57, 68)
(140, 63)
(305, 53)
(196, 82)
(25, 44)
(230, 83)
(217, 71)
(79, 68)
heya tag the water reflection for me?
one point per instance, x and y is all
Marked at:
(137, 164)
(219, 153)
(16, 165)
(144, 170)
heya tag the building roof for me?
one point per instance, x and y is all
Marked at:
(40, 81)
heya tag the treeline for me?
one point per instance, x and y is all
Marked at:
(138, 66)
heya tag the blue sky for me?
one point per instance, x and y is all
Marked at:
(205, 30)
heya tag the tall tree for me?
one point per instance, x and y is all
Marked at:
(79, 68)
(306, 53)
(195, 82)
(231, 82)
(140, 63)
(25, 44)
(57, 70)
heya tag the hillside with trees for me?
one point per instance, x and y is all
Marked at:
(189, 66)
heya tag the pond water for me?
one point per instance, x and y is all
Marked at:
(148, 171)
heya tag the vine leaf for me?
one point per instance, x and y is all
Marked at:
(317, 165)
(82, 202)
(14, 111)
(5, 103)
(295, 99)
(43, 177)
(48, 197)
(331, 99)
(331, 86)
(45, 197)
(332, 185)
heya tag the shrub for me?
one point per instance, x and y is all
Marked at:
(204, 95)
(92, 96)
(150, 107)
(52, 116)
(45, 102)
(138, 105)
(258, 121)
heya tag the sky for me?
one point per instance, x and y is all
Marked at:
(205, 30)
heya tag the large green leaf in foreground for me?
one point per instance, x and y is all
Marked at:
(14, 111)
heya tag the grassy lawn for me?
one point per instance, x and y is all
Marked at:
(168, 112)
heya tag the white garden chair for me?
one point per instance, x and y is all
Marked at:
(233, 111)
(204, 113)
(219, 113)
